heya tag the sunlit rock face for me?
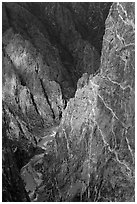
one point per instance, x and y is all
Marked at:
(68, 120)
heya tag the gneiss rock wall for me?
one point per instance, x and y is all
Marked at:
(44, 54)
(97, 126)
(87, 147)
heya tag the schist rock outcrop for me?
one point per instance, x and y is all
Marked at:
(68, 108)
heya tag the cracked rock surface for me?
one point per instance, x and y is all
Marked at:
(68, 102)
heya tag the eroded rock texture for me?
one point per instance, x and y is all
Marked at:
(68, 124)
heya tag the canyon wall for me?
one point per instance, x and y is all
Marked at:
(68, 102)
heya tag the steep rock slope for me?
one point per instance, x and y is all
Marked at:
(92, 157)
(64, 48)
(85, 152)
(13, 188)
(40, 74)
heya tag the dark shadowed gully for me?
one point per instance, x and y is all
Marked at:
(68, 107)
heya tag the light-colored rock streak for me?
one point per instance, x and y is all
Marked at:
(114, 82)
(130, 149)
(108, 108)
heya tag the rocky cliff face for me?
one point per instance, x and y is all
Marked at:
(68, 120)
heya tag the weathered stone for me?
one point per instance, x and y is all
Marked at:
(82, 150)
(13, 187)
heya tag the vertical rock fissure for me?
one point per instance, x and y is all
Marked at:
(46, 96)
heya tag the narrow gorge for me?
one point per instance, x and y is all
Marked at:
(68, 102)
